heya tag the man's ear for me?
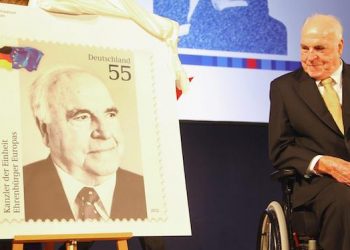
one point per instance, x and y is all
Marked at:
(340, 47)
(43, 131)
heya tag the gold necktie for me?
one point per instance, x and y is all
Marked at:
(331, 99)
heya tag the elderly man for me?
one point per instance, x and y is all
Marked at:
(309, 128)
(79, 123)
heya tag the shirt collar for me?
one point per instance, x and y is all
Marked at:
(336, 76)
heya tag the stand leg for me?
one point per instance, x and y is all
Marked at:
(122, 245)
(71, 245)
(17, 246)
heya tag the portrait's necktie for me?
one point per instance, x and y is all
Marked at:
(331, 99)
(87, 200)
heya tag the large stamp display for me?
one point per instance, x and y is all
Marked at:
(78, 114)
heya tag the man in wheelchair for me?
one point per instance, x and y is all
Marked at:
(309, 129)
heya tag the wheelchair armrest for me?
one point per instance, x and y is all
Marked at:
(283, 174)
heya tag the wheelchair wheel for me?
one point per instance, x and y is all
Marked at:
(273, 234)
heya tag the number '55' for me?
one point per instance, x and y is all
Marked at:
(116, 72)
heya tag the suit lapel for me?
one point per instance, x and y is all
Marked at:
(44, 193)
(56, 200)
(309, 93)
(129, 196)
(346, 97)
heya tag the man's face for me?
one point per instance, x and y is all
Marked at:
(320, 51)
(224, 4)
(84, 134)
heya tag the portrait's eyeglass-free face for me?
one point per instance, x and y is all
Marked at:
(84, 134)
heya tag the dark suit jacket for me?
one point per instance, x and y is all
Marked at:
(45, 198)
(301, 127)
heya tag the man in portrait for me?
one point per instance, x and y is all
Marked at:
(82, 177)
(45, 194)
(226, 25)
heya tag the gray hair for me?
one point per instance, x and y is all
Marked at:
(44, 84)
(334, 23)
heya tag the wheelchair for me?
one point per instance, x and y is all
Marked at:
(283, 228)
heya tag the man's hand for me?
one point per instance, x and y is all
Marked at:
(336, 167)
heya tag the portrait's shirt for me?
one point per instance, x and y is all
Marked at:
(72, 187)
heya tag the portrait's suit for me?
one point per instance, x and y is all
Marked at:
(45, 198)
(301, 127)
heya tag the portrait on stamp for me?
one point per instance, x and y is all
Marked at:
(80, 126)
(82, 176)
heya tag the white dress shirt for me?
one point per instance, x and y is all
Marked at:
(338, 86)
(72, 187)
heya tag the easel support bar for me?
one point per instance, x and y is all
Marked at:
(70, 239)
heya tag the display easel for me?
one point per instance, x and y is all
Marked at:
(70, 239)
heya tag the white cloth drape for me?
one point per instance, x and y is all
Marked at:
(159, 27)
